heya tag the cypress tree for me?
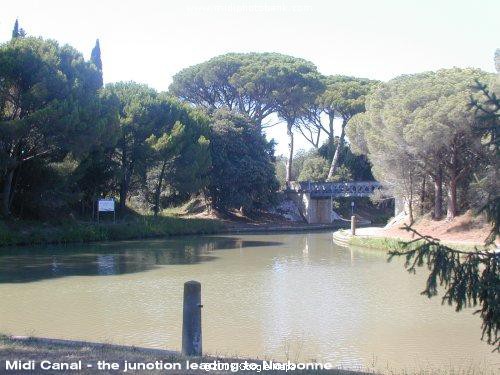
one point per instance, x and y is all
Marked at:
(15, 31)
(95, 57)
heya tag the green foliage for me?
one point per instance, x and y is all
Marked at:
(137, 228)
(59, 110)
(297, 84)
(184, 151)
(54, 88)
(161, 137)
(138, 117)
(49, 106)
(417, 126)
(254, 84)
(357, 166)
(242, 164)
(299, 158)
(314, 166)
(341, 174)
(487, 127)
(314, 169)
(345, 96)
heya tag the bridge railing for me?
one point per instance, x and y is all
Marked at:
(336, 189)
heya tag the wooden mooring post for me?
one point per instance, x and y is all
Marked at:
(353, 225)
(191, 319)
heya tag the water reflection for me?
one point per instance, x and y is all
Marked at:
(20, 265)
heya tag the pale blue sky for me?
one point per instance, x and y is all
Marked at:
(149, 41)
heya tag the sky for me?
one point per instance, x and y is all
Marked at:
(148, 41)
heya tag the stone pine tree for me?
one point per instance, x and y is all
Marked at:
(419, 126)
(95, 57)
(346, 97)
(470, 278)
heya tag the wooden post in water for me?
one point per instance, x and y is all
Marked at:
(191, 319)
(353, 225)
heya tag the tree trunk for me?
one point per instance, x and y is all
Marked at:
(290, 154)
(410, 209)
(451, 211)
(335, 161)
(158, 189)
(123, 194)
(438, 195)
(422, 196)
(331, 139)
(410, 201)
(7, 192)
(452, 198)
(125, 183)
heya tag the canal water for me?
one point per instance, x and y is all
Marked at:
(293, 296)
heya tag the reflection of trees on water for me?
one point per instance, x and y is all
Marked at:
(32, 264)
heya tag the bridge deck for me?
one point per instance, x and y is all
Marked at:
(335, 189)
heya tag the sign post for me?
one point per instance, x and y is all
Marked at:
(352, 208)
(106, 205)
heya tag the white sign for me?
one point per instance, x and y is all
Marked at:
(106, 205)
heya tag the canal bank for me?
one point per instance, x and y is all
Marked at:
(372, 238)
(465, 232)
(40, 355)
(34, 233)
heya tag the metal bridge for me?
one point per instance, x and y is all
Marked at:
(314, 199)
(335, 189)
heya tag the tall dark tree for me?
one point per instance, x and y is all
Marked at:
(18, 32)
(243, 174)
(95, 57)
(15, 31)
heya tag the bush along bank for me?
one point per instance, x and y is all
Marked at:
(24, 233)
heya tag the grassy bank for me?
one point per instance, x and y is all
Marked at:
(90, 353)
(34, 233)
(388, 243)
(62, 351)
(376, 242)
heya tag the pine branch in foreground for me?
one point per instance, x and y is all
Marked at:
(469, 278)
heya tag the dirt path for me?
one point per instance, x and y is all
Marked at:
(465, 229)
